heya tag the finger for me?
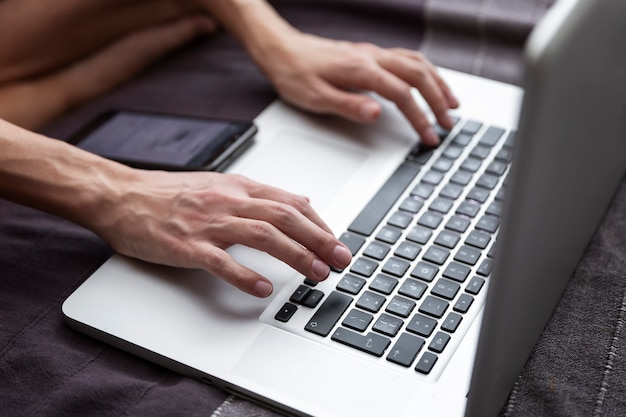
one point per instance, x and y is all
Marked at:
(284, 232)
(300, 203)
(422, 76)
(220, 264)
(325, 98)
(388, 85)
(453, 102)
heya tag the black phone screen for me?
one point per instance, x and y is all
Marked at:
(158, 140)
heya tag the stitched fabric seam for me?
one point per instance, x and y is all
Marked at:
(613, 351)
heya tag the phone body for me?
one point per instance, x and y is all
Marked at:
(165, 141)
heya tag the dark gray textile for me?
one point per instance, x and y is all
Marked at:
(577, 368)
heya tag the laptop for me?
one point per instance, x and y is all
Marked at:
(460, 253)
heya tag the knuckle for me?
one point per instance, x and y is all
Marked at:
(261, 232)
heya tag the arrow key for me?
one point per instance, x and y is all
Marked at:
(405, 350)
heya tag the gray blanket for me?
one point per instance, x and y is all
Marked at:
(577, 367)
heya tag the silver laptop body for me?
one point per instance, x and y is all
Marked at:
(569, 157)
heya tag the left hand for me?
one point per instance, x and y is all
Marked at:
(324, 76)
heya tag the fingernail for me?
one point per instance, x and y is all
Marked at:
(263, 288)
(320, 269)
(342, 255)
(369, 111)
(452, 100)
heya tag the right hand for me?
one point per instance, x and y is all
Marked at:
(189, 219)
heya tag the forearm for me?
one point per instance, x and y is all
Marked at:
(258, 27)
(57, 177)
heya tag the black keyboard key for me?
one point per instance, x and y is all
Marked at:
(478, 239)
(456, 271)
(419, 234)
(505, 155)
(434, 306)
(426, 363)
(385, 198)
(451, 191)
(441, 205)
(328, 314)
(468, 208)
(458, 223)
(377, 250)
(412, 288)
(430, 219)
(497, 168)
(491, 136)
(400, 219)
(364, 267)
(313, 298)
(432, 177)
(452, 322)
(286, 312)
(411, 205)
(424, 271)
(351, 284)
(370, 301)
(478, 194)
(463, 303)
(408, 250)
(421, 325)
(388, 325)
(471, 127)
(383, 284)
(467, 255)
(487, 181)
(480, 152)
(436, 255)
(448, 239)
(452, 152)
(357, 320)
(396, 267)
(488, 224)
(400, 306)
(485, 267)
(423, 190)
(471, 164)
(353, 242)
(405, 350)
(420, 154)
(300, 294)
(495, 209)
(461, 177)
(475, 285)
(443, 164)
(389, 234)
(439, 342)
(462, 139)
(371, 343)
(445, 288)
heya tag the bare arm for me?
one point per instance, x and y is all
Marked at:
(324, 75)
(179, 219)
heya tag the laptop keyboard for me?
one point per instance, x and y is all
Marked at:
(422, 253)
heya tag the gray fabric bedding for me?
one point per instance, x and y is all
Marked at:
(577, 368)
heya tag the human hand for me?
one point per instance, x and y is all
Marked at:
(189, 219)
(324, 76)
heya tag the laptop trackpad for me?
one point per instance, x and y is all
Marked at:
(314, 166)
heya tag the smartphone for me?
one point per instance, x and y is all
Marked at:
(165, 141)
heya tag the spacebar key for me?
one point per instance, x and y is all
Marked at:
(385, 198)
(328, 314)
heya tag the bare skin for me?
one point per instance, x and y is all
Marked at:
(183, 219)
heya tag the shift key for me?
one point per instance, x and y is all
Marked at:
(371, 343)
